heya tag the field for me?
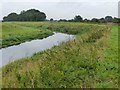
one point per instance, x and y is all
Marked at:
(14, 34)
(88, 61)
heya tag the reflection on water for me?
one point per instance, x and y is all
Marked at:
(27, 49)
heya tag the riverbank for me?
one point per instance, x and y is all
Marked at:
(14, 34)
(80, 63)
(28, 49)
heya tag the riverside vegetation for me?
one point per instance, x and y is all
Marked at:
(88, 61)
(14, 34)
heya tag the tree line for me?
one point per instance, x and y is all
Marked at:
(36, 15)
(78, 18)
(29, 15)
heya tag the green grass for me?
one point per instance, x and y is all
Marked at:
(13, 34)
(67, 27)
(0, 78)
(108, 70)
(89, 61)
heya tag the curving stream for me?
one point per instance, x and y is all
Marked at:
(27, 49)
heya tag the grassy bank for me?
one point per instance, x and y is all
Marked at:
(0, 78)
(13, 34)
(64, 27)
(88, 61)
(108, 68)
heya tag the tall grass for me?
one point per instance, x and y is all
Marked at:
(82, 63)
(65, 27)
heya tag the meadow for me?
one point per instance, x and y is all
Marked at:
(13, 34)
(88, 61)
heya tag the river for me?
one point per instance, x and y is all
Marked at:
(27, 49)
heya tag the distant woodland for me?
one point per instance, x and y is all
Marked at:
(29, 15)
(36, 15)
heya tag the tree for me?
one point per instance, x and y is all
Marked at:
(29, 15)
(86, 20)
(71, 20)
(11, 17)
(62, 20)
(95, 20)
(33, 15)
(51, 19)
(116, 20)
(108, 19)
(102, 20)
(78, 18)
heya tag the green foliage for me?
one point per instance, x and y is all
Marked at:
(29, 15)
(108, 19)
(13, 34)
(89, 61)
(78, 18)
(11, 17)
(95, 20)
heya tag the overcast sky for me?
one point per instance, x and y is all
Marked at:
(65, 9)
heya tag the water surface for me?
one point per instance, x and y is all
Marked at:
(27, 49)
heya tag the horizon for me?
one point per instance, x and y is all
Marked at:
(64, 10)
(63, 18)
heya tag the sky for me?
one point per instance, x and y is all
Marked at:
(62, 9)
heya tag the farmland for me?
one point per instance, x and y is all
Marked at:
(90, 60)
